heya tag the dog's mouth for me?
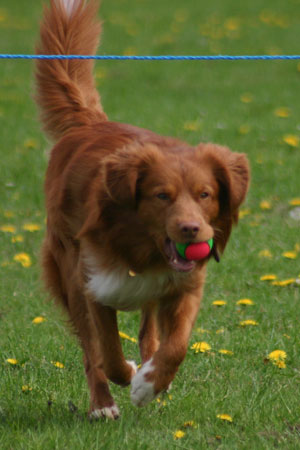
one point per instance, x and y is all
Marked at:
(175, 260)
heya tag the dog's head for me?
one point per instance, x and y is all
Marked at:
(154, 197)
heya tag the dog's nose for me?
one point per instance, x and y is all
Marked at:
(189, 230)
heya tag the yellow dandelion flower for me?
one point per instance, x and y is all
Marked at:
(244, 212)
(291, 139)
(17, 238)
(101, 73)
(295, 201)
(284, 282)
(179, 434)
(190, 424)
(281, 21)
(23, 258)
(125, 336)
(8, 228)
(219, 303)
(268, 277)
(38, 320)
(220, 331)
(31, 143)
(223, 351)
(58, 364)
(245, 302)
(276, 355)
(201, 347)
(162, 403)
(26, 389)
(9, 214)
(244, 129)
(31, 227)
(5, 264)
(265, 204)
(181, 15)
(248, 322)
(265, 16)
(166, 38)
(202, 330)
(290, 255)
(12, 361)
(265, 253)
(278, 358)
(282, 112)
(225, 417)
(246, 98)
(131, 29)
(280, 364)
(192, 125)
(129, 51)
(232, 24)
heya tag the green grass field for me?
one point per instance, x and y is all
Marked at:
(252, 107)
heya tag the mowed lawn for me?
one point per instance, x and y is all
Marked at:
(232, 391)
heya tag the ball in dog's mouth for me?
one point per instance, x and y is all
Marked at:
(175, 260)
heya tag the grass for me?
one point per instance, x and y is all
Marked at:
(232, 103)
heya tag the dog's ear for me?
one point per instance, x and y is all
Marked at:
(123, 171)
(120, 176)
(233, 175)
(117, 182)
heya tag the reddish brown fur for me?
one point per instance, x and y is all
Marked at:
(103, 197)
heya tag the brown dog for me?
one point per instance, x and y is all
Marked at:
(118, 199)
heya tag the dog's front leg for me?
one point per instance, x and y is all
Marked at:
(175, 321)
(116, 368)
(148, 335)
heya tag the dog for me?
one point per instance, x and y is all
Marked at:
(119, 198)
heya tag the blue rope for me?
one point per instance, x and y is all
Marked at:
(157, 58)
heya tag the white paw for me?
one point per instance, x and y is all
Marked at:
(169, 387)
(110, 412)
(142, 391)
(133, 365)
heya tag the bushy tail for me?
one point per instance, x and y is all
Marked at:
(66, 92)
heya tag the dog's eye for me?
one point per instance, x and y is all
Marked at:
(204, 195)
(163, 196)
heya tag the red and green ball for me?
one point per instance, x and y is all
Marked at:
(195, 251)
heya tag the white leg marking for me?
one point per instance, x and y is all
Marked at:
(70, 5)
(110, 412)
(142, 391)
(133, 365)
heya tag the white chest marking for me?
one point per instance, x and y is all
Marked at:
(121, 291)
